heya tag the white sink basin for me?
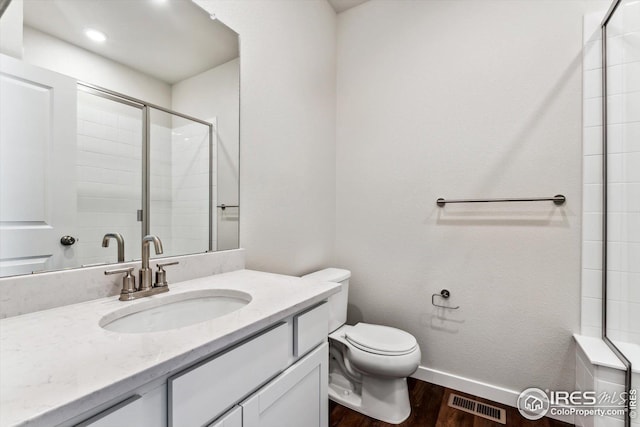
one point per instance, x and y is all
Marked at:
(174, 311)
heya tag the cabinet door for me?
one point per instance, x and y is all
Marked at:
(297, 397)
(233, 418)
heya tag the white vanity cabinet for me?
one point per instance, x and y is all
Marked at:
(263, 364)
(276, 378)
(287, 365)
(295, 398)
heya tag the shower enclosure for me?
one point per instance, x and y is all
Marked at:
(150, 160)
(621, 189)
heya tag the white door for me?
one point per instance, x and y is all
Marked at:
(37, 167)
(297, 397)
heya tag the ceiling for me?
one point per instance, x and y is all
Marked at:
(342, 5)
(170, 40)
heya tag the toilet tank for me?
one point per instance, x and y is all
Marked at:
(337, 302)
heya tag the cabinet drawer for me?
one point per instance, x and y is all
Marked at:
(124, 413)
(148, 409)
(233, 418)
(310, 329)
(202, 393)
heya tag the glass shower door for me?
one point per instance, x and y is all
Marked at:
(181, 185)
(622, 174)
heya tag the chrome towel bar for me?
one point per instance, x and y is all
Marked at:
(558, 199)
(223, 206)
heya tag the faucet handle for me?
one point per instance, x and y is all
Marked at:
(128, 282)
(161, 275)
(166, 264)
(120, 270)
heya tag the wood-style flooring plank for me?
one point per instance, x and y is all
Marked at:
(429, 408)
(450, 417)
(425, 403)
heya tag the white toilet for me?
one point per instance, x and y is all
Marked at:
(368, 364)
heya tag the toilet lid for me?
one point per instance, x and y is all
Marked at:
(381, 339)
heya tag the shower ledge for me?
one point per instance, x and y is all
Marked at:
(599, 353)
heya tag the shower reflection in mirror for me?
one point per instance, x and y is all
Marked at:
(119, 137)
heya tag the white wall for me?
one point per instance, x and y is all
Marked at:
(11, 30)
(288, 130)
(464, 99)
(56, 55)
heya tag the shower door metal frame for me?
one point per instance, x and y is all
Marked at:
(626, 362)
(146, 107)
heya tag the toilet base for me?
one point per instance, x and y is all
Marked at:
(385, 399)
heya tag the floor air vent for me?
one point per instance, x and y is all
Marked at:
(476, 408)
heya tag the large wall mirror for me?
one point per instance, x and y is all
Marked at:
(117, 118)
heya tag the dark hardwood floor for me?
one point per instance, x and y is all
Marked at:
(429, 409)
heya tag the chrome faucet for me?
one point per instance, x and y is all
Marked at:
(118, 237)
(146, 276)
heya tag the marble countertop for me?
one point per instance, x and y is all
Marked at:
(58, 363)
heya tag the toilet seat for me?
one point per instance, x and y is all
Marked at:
(381, 340)
(383, 361)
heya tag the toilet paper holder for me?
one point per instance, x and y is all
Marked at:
(443, 294)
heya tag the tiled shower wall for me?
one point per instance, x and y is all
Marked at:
(190, 187)
(108, 178)
(109, 181)
(623, 104)
(161, 196)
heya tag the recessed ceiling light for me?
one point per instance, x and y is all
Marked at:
(95, 35)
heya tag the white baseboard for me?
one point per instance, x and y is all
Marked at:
(477, 388)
